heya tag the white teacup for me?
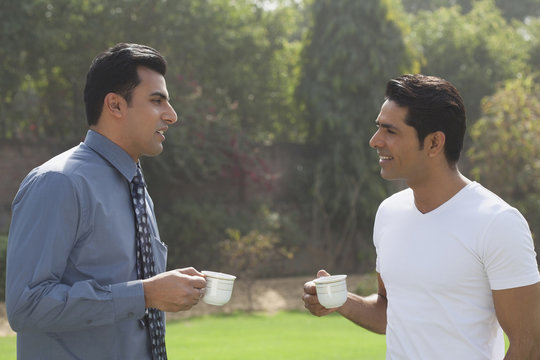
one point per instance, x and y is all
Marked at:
(219, 287)
(331, 290)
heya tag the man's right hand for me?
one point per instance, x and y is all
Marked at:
(311, 301)
(175, 290)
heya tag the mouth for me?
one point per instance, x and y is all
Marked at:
(161, 132)
(385, 157)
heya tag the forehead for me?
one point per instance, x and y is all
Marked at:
(151, 80)
(392, 114)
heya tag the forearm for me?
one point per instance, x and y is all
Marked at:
(58, 307)
(367, 312)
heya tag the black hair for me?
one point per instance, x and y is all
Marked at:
(433, 104)
(115, 70)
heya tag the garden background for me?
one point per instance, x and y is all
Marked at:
(268, 173)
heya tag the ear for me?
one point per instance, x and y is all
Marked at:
(434, 143)
(114, 104)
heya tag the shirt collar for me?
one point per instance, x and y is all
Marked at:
(111, 152)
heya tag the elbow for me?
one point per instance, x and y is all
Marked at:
(19, 314)
(379, 328)
(15, 319)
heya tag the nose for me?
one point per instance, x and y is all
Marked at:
(374, 142)
(170, 116)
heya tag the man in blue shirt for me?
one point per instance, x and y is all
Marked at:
(72, 290)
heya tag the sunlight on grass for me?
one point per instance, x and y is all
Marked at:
(290, 335)
(241, 336)
(8, 347)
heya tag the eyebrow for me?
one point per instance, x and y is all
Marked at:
(385, 125)
(160, 94)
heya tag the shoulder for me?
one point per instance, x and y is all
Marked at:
(478, 200)
(62, 172)
(402, 200)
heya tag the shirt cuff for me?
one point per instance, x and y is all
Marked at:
(128, 300)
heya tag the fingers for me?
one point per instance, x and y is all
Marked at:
(198, 282)
(191, 271)
(311, 301)
(196, 278)
(322, 273)
(309, 288)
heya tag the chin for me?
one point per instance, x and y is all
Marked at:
(390, 177)
(154, 152)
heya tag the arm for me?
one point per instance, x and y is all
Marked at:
(518, 313)
(368, 312)
(47, 221)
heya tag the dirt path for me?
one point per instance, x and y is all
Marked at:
(268, 295)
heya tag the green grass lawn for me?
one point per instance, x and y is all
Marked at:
(286, 335)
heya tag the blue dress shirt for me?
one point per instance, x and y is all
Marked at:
(71, 288)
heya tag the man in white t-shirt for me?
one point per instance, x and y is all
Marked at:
(456, 264)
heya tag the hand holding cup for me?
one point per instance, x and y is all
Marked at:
(331, 290)
(312, 298)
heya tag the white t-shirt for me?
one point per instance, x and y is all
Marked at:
(439, 269)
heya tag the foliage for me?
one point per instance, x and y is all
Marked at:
(230, 110)
(231, 74)
(531, 32)
(352, 49)
(248, 77)
(247, 256)
(475, 51)
(506, 154)
(515, 9)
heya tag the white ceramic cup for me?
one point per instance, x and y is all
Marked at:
(331, 290)
(219, 287)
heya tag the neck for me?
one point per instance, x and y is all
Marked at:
(438, 189)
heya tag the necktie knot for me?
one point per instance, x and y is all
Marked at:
(138, 178)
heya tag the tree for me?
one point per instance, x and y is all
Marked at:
(352, 50)
(231, 72)
(15, 39)
(531, 31)
(231, 83)
(475, 51)
(515, 9)
(506, 154)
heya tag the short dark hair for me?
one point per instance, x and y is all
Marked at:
(115, 70)
(433, 104)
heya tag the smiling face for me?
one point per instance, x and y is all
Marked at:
(400, 155)
(147, 116)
